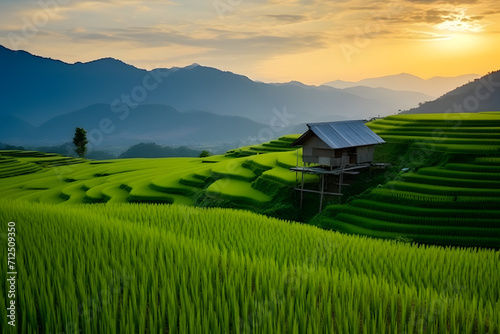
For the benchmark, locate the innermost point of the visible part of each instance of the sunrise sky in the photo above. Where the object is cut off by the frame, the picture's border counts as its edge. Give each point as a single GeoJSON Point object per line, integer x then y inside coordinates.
{"type": "Point", "coordinates": [313, 41]}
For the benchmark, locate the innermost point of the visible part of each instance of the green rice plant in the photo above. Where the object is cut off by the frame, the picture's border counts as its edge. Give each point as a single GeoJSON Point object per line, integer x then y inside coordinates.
{"type": "Point", "coordinates": [280, 145]}
{"type": "Point", "coordinates": [264, 148]}
{"type": "Point", "coordinates": [442, 190]}
{"type": "Point", "coordinates": [290, 138]}
{"type": "Point", "coordinates": [260, 163]}
{"type": "Point", "coordinates": [419, 216]}
{"type": "Point", "coordinates": [353, 229]}
{"type": "Point", "coordinates": [474, 168]}
{"type": "Point", "coordinates": [289, 160]}
{"type": "Point", "coordinates": [142, 192]}
{"type": "Point", "coordinates": [434, 131]}
{"type": "Point", "coordinates": [447, 173]}
{"type": "Point", "coordinates": [238, 190]}
{"type": "Point", "coordinates": [491, 234]}
{"type": "Point", "coordinates": [441, 135]}
{"type": "Point", "coordinates": [487, 160]}
{"type": "Point", "coordinates": [466, 141]}
{"type": "Point", "coordinates": [174, 187]}
{"type": "Point", "coordinates": [124, 180]}
{"type": "Point", "coordinates": [450, 213]}
{"type": "Point", "coordinates": [192, 181]}
{"type": "Point", "coordinates": [449, 182]}
{"type": "Point", "coordinates": [233, 170]}
{"type": "Point", "coordinates": [155, 268]}
{"type": "Point", "coordinates": [434, 200]}
{"type": "Point", "coordinates": [15, 167]}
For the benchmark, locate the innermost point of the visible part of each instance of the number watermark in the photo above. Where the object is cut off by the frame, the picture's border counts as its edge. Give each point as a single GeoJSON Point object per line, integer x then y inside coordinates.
{"type": "Point", "coordinates": [11, 274]}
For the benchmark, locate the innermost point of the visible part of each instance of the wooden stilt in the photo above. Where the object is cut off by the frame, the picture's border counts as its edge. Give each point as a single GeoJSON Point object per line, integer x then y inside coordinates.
{"type": "Point", "coordinates": [302, 190]}
{"type": "Point", "coordinates": [341, 178]}
{"type": "Point", "coordinates": [322, 191]}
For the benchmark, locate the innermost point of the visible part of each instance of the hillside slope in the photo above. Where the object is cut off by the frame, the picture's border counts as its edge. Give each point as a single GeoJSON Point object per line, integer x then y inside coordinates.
{"type": "Point", "coordinates": [451, 196]}
{"type": "Point", "coordinates": [253, 177]}
{"type": "Point", "coordinates": [480, 95]}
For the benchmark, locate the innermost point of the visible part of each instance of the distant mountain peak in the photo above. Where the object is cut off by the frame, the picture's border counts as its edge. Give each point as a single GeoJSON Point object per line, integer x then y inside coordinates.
{"type": "Point", "coordinates": [107, 62]}
{"type": "Point", "coordinates": [106, 59]}
{"type": "Point", "coordinates": [434, 87]}
{"type": "Point", "coordinates": [404, 74]}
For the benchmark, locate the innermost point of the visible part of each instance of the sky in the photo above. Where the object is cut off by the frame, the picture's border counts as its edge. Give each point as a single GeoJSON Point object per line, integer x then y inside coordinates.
{"type": "Point", "coordinates": [312, 41]}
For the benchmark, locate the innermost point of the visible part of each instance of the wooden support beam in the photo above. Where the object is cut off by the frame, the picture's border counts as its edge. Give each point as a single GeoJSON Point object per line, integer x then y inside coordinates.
{"type": "Point", "coordinates": [301, 191]}
{"type": "Point", "coordinates": [322, 191]}
{"type": "Point", "coordinates": [318, 192]}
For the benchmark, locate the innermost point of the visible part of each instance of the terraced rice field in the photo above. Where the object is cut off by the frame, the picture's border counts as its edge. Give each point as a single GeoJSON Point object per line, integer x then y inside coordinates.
{"type": "Point", "coordinates": [457, 203]}
{"type": "Point", "coordinates": [448, 133]}
{"type": "Point", "coordinates": [249, 179]}
{"type": "Point", "coordinates": [30, 162]}
{"type": "Point", "coordinates": [279, 145]}
{"type": "Point", "coordinates": [124, 265]}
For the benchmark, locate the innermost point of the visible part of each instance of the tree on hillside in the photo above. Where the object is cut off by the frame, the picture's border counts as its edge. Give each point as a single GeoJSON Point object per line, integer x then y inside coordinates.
{"type": "Point", "coordinates": [80, 141]}
{"type": "Point", "coordinates": [204, 154]}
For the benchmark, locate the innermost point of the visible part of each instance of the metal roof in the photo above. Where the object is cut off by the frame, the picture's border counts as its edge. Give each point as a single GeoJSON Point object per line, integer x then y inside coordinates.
{"type": "Point", "coordinates": [341, 134]}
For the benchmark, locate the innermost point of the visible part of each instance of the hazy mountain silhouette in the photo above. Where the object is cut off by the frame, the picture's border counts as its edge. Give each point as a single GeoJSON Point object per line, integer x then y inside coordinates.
{"type": "Point", "coordinates": [160, 103]}
{"type": "Point", "coordinates": [13, 127]}
{"type": "Point", "coordinates": [394, 99]}
{"type": "Point", "coordinates": [37, 89]}
{"type": "Point", "coordinates": [146, 123]}
{"type": "Point", "coordinates": [480, 95]}
{"type": "Point", "coordinates": [434, 87]}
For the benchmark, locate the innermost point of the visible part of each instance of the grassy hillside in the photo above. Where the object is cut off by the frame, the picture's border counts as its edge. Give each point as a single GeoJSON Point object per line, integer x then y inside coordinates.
{"type": "Point", "coordinates": [451, 195]}
{"type": "Point", "coordinates": [95, 254]}
{"type": "Point", "coordinates": [141, 268]}
{"type": "Point", "coordinates": [253, 177]}
{"type": "Point", "coordinates": [483, 92]}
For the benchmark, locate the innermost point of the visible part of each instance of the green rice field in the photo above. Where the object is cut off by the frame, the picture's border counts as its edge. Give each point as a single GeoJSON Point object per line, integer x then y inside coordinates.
{"type": "Point", "coordinates": [170, 245]}
{"type": "Point", "coordinates": [145, 268]}
{"type": "Point", "coordinates": [454, 202]}
{"type": "Point", "coordinates": [236, 176]}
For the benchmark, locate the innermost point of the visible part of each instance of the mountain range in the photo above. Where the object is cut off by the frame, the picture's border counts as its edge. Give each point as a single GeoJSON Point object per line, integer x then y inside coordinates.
{"type": "Point", "coordinates": [434, 87]}
{"type": "Point", "coordinates": [44, 99]}
{"type": "Point", "coordinates": [37, 89]}
{"type": "Point", "coordinates": [145, 123]}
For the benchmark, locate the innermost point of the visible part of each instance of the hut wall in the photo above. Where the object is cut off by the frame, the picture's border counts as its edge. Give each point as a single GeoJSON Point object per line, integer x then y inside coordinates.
{"type": "Point", "coordinates": [365, 154]}
{"type": "Point", "coordinates": [316, 151]}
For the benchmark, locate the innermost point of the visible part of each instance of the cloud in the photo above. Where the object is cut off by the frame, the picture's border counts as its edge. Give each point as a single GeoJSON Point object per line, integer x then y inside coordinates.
{"type": "Point", "coordinates": [444, 2]}
{"type": "Point", "coordinates": [253, 32]}
{"type": "Point", "coordinates": [78, 30]}
{"type": "Point", "coordinates": [288, 18]}
{"type": "Point", "coordinates": [219, 43]}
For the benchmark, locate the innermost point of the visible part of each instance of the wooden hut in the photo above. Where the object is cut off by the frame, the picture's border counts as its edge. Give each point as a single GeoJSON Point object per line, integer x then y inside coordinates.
{"type": "Point", "coordinates": [338, 149]}
{"type": "Point", "coordinates": [336, 144]}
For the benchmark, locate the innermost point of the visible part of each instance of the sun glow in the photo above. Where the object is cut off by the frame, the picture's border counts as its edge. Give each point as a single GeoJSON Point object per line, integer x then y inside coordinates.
{"type": "Point", "coordinates": [457, 43]}
{"type": "Point", "coordinates": [459, 21]}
